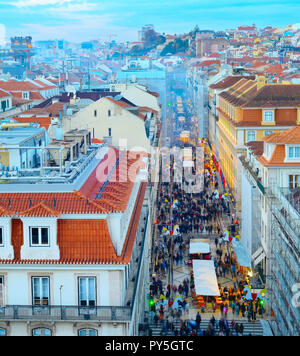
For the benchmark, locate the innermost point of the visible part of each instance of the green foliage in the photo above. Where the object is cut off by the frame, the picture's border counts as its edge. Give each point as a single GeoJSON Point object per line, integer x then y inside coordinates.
{"type": "Point", "coordinates": [176, 46]}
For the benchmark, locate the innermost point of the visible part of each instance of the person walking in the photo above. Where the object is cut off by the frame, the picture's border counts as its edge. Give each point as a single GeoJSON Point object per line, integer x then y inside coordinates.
{"type": "Point", "coordinates": [198, 320]}
{"type": "Point", "coordinates": [241, 329]}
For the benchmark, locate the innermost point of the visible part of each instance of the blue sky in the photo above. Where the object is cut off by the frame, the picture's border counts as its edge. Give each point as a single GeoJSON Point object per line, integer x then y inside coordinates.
{"type": "Point", "coordinates": [80, 20]}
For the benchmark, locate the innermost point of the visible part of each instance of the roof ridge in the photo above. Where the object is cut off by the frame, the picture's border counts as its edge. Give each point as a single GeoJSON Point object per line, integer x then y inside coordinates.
{"type": "Point", "coordinates": [40, 205]}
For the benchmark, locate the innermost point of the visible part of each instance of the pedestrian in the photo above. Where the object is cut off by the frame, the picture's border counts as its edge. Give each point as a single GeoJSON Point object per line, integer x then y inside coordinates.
{"type": "Point", "coordinates": [241, 329]}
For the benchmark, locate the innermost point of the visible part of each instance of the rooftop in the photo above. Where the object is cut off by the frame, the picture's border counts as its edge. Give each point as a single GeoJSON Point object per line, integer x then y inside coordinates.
{"type": "Point", "coordinates": [285, 137]}
{"type": "Point", "coordinates": [19, 135]}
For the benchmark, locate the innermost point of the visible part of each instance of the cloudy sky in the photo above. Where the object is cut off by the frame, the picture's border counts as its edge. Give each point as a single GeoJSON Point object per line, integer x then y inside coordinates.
{"type": "Point", "coordinates": [80, 20]}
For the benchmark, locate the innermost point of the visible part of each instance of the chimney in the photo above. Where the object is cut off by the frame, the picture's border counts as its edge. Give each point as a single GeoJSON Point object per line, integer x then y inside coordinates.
{"type": "Point", "coordinates": [261, 81]}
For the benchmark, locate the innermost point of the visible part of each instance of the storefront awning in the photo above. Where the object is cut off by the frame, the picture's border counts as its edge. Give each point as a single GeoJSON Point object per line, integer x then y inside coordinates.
{"type": "Point", "coordinates": [205, 278]}
{"type": "Point", "coordinates": [241, 253]}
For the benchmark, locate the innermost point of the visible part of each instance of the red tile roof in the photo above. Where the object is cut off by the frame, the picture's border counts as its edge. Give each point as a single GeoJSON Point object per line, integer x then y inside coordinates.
{"type": "Point", "coordinates": [43, 121]}
{"type": "Point", "coordinates": [276, 95]}
{"type": "Point", "coordinates": [84, 241]}
{"type": "Point", "coordinates": [39, 210]}
{"type": "Point", "coordinates": [229, 81]}
{"type": "Point", "coordinates": [4, 94]}
{"type": "Point", "coordinates": [14, 85]}
{"type": "Point", "coordinates": [290, 136]}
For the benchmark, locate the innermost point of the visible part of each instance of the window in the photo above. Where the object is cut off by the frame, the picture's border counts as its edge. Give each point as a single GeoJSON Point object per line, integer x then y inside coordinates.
{"type": "Point", "coordinates": [251, 136]}
{"type": "Point", "coordinates": [87, 291]}
{"type": "Point", "coordinates": [294, 181]}
{"type": "Point", "coordinates": [109, 132]}
{"type": "Point", "coordinates": [41, 332]}
{"type": "Point", "coordinates": [267, 133]}
{"type": "Point", "coordinates": [294, 152]}
{"type": "Point", "coordinates": [87, 332]}
{"type": "Point", "coordinates": [39, 236]}
{"type": "Point", "coordinates": [1, 236]}
{"type": "Point", "coordinates": [40, 291]}
{"type": "Point", "coordinates": [1, 290]}
{"type": "Point", "coordinates": [2, 332]}
{"type": "Point", "coordinates": [25, 95]}
{"type": "Point", "coordinates": [109, 113]}
{"type": "Point", "coordinates": [268, 116]}
{"type": "Point", "coordinates": [95, 113]}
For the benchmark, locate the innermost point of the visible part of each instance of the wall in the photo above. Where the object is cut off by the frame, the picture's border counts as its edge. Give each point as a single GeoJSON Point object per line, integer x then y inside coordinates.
{"type": "Point", "coordinates": [122, 123]}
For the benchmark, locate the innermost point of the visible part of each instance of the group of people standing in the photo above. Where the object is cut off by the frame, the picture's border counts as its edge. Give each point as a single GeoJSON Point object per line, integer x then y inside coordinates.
{"type": "Point", "coordinates": [186, 214]}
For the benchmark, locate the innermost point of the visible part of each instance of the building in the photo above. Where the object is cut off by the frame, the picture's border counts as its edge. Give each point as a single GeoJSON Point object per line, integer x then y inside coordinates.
{"type": "Point", "coordinates": [114, 119]}
{"type": "Point", "coordinates": [248, 111]}
{"type": "Point", "coordinates": [20, 143]}
{"type": "Point", "coordinates": [271, 222]}
{"type": "Point", "coordinates": [30, 91]}
{"type": "Point", "coordinates": [5, 101]}
{"type": "Point", "coordinates": [75, 241]}
{"type": "Point", "coordinates": [206, 46]}
{"type": "Point", "coordinates": [214, 90]}
{"type": "Point", "coordinates": [151, 74]}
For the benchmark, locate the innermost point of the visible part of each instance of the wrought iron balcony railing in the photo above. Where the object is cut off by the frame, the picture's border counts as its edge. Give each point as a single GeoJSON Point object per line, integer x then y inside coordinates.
{"type": "Point", "coordinates": [65, 313]}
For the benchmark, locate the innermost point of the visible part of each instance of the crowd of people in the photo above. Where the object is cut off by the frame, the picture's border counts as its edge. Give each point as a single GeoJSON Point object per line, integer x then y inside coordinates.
{"type": "Point", "coordinates": [188, 214]}
{"type": "Point", "coordinates": [193, 327]}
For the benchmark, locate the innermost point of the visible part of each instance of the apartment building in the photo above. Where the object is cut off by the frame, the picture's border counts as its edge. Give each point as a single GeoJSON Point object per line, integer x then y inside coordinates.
{"type": "Point", "coordinates": [271, 222]}
{"type": "Point", "coordinates": [75, 241]}
{"type": "Point", "coordinates": [214, 90]}
{"type": "Point", "coordinates": [248, 111]}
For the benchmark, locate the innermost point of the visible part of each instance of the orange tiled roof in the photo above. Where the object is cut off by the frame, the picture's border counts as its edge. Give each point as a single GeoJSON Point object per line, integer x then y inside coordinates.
{"type": "Point", "coordinates": [276, 95]}
{"type": "Point", "coordinates": [285, 137]}
{"type": "Point", "coordinates": [4, 94]}
{"type": "Point", "coordinates": [39, 210]}
{"type": "Point", "coordinates": [36, 96]}
{"type": "Point", "coordinates": [114, 198]}
{"type": "Point", "coordinates": [84, 241]}
{"type": "Point", "coordinates": [5, 213]}
{"type": "Point", "coordinates": [118, 102]}
{"type": "Point", "coordinates": [14, 85]}
{"type": "Point", "coordinates": [43, 121]}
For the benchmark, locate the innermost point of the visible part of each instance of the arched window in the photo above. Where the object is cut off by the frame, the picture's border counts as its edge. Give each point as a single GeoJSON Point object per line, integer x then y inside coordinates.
{"type": "Point", "coordinates": [87, 332]}
{"type": "Point", "coordinates": [41, 332]}
{"type": "Point", "coordinates": [2, 332]}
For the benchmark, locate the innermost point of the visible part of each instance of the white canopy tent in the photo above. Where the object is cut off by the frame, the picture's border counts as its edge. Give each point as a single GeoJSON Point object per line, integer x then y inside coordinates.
{"type": "Point", "coordinates": [199, 246]}
{"type": "Point", "coordinates": [206, 282]}
{"type": "Point", "coordinates": [188, 164]}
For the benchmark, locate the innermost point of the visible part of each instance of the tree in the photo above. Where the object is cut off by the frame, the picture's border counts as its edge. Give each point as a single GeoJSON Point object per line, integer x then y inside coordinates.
{"type": "Point", "coordinates": [153, 39]}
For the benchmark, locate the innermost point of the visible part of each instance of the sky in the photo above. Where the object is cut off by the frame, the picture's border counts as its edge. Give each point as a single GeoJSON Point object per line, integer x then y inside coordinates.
{"type": "Point", "coordinates": [84, 20]}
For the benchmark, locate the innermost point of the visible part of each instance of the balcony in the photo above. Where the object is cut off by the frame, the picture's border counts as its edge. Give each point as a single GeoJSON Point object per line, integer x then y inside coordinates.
{"type": "Point", "coordinates": [253, 173]}
{"type": "Point", "coordinates": [65, 313]}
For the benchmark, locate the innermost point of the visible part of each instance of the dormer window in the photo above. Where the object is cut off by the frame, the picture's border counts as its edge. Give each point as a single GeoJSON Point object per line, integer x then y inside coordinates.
{"type": "Point", "coordinates": [25, 95]}
{"type": "Point", "coordinates": [294, 152]}
{"type": "Point", "coordinates": [39, 236]}
{"type": "Point", "coordinates": [268, 116]}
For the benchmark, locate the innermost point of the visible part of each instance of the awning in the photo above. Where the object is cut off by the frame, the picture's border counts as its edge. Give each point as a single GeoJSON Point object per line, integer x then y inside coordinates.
{"type": "Point", "coordinates": [257, 253]}
{"type": "Point", "coordinates": [258, 256]}
{"type": "Point", "coordinates": [206, 282]}
{"type": "Point", "coordinates": [188, 164]}
{"type": "Point", "coordinates": [241, 253]}
{"type": "Point", "coordinates": [199, 246]}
